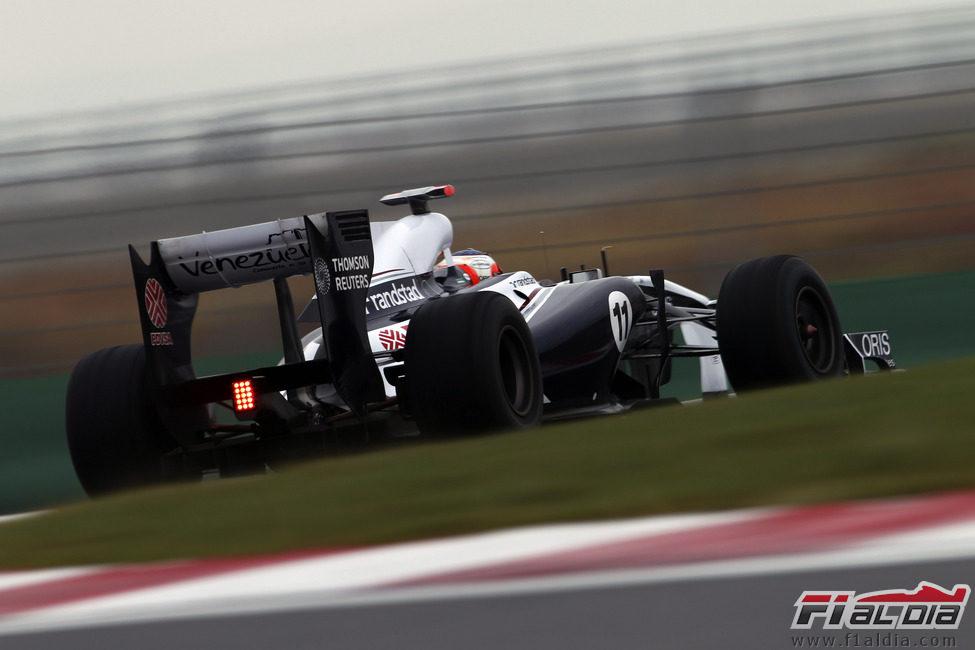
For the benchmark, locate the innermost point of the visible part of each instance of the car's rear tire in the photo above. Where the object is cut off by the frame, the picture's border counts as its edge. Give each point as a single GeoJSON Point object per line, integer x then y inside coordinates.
{"type": "Point", "coordinates": [777, 324]}
{"type": "Point", "coordinates": [115, 438]}
{"type": "Point", "coordinates": [471, 366]}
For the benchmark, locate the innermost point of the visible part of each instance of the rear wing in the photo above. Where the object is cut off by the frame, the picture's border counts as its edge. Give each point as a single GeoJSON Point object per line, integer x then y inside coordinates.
{"type": "Point", "coordinates": [336, 247]}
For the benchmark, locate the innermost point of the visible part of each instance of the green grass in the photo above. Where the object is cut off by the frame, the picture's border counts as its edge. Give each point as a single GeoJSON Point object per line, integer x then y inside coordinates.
{"type": "Point", "coordinates": [853, 438]}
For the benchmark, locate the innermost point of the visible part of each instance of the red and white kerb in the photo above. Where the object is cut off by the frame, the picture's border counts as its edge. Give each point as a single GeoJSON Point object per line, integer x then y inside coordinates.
{"type": "Point", "coordinates": [243, 395]}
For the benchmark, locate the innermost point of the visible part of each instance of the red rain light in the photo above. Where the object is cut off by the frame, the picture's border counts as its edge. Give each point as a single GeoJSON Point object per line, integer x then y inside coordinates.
{"type": "Point", "coordinates": [448, 190]}
{"type": "Point", "coordinates": [243, 395]}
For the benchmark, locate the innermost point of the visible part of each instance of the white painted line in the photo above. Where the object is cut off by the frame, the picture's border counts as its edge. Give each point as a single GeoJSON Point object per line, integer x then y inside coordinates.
{"type": "Point", "coordinates": [15, 579]}
{"type": "Point", "coordinates": [21, 515]}
{"type": "Point", "coordinates": [954, 534]}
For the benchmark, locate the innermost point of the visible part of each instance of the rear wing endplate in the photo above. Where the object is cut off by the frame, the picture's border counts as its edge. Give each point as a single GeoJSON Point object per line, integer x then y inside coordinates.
{"type": "Point", "coordinates": [335, 246]}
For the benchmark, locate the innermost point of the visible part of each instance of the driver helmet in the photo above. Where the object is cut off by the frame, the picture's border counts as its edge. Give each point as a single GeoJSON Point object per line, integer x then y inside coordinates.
{"type": "Point", "coordinates": [476, 264]}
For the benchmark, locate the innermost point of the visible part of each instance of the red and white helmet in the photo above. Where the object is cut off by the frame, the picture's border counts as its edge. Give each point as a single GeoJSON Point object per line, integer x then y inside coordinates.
{"type": "Point", "coordinates": [476, 264]}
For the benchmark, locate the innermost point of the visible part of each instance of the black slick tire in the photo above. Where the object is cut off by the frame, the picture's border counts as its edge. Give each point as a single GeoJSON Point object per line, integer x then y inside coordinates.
{"type": "Point", "coordinates": [114, 435]}
{"type": "Point", "coordinates": [471, 366]}
{"type": "Point", "coordinates": [777, 324]}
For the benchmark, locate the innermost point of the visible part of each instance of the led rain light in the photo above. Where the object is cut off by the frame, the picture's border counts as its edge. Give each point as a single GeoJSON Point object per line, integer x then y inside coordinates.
{"type": "Point", "coordinates": [243, 395]}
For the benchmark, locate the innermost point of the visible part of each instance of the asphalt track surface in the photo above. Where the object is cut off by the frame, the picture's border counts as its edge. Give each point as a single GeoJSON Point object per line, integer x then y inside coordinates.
{"type": "Point", "coordinates": [625, 611]}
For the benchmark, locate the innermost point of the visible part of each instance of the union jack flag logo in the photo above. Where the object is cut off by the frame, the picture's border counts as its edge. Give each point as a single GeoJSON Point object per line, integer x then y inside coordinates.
{"type": "Point", "coordinates": [392, 338]}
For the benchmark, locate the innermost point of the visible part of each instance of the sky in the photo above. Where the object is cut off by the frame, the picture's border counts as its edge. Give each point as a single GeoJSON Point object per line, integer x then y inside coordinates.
{"type": "Point", "coordinates": [61, 56]}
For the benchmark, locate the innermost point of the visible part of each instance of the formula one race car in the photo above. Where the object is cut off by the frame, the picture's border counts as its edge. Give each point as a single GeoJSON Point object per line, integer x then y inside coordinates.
{"type": "Point", "coordinates": [391, 322]}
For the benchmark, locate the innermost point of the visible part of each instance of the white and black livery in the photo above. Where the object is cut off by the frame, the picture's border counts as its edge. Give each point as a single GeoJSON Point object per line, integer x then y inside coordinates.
{"type": "Point", "coordinates": [396, 317]}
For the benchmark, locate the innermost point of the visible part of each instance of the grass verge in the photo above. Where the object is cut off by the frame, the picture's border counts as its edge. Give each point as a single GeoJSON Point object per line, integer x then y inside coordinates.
{"type": "Point", "coordinates": [865, 437]}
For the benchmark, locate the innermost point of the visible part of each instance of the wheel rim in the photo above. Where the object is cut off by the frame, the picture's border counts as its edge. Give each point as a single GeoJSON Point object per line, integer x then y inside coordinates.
{"type": "Point", "coordinates": [516, 378]}
{"type": "Point", "coordinates": [815, 329]}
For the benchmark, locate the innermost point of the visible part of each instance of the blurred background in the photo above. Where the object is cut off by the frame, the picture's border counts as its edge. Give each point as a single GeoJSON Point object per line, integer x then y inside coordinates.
{"type": "Point", "coordinates": [687, 138]}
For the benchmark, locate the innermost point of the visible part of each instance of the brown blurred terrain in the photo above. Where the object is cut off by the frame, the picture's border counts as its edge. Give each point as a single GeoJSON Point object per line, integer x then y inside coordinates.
{"type": "Point", "coordinates": [854, 147]}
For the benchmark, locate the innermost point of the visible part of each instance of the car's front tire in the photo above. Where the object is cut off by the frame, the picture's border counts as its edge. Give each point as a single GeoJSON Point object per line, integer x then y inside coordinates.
{"type": "Point", "coordinates": [777, 324]}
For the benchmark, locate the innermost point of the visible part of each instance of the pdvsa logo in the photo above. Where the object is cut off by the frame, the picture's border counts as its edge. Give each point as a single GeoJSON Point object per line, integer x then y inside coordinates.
{"type": "Point", "coordinates": [929, 607]}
